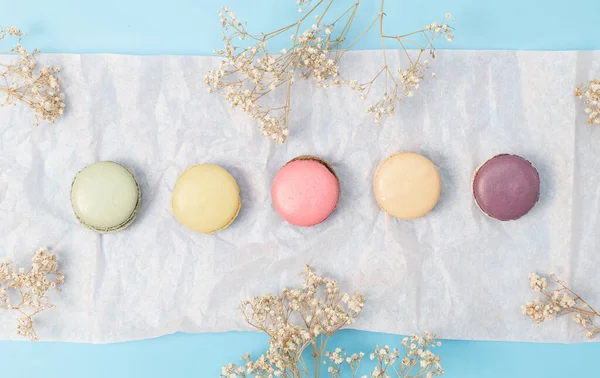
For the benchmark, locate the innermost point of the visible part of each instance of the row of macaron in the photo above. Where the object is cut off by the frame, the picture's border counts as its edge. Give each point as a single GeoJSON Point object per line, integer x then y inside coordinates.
{"type": "Point", "coordinates": [105, 196]}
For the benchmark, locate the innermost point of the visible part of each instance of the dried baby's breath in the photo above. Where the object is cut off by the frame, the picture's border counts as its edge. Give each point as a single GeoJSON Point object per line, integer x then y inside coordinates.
{"type": "Point", "coordinates": [559, 300]}
{"type": "Point", "coordinates": [300, 322]}
{"type": "Point", "coordinates": [26, 291]}
{"type": "Point", "coordinates": [25, 82]}
{"type": "Point", "coordinates": [590, 92]}
{"type": "Point", "coordinates": [248, 76]}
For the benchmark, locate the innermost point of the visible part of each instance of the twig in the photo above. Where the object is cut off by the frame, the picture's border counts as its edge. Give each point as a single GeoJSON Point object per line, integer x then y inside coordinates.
{"type": "Point", "coordinates": [32, 286]}
{"type": "Point", "coordinates": [558, 302]}
{"type": "Point", "coordinates": [25, 82]}
{"type": "Point", "coordinates": [247, 74]}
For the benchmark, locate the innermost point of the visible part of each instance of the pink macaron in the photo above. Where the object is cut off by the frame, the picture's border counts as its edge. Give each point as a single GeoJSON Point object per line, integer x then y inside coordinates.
{"type": "Point", "coordinates": [305, 191]}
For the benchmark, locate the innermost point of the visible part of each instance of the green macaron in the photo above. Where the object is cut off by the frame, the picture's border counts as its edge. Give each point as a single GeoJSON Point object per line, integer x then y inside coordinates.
{"type": "Point", "coordinates": [105, 197]}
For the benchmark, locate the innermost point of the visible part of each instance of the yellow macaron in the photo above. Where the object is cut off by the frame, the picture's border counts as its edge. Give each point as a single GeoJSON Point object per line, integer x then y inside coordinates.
{"type": "Point", "coordinates": [206, 198]}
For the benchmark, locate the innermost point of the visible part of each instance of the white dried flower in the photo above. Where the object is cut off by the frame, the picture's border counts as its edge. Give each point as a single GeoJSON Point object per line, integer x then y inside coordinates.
{"type": "Point", "coordinates": [250, 78]}
{"type": "Point", "coordinates": [306, 318]}
{"type": "Point", "coordinates": [537, 283]}
{"type": "Point", "coordinates": [590, 93]}
{"type": "Point", "coordinates": [32, 288]}
{"type": "Point", "coordinates": [405, 80]}
{"type": "Point", "coordinates": [558, 302]}
{"type": "Point", "coordinates": [24, 83]}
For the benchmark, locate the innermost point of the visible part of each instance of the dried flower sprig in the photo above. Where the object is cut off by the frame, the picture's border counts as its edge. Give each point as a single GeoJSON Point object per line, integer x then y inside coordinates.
{"type": "Point", "coordinates": [30, 289]}
{"type": "Point", "coordinates": [590, 92]}
{"type": "Point", "coordinates": [24, 82]}
{"type": "Point", "coordinates": [248, 77]}
{"type": "Point", "coordinates": [559, 300]}
{"type": "Point", "coordinates": [300, 322]}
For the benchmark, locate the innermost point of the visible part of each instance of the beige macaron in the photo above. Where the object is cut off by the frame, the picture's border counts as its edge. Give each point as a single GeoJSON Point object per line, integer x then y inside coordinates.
{"type": "Point", "coordinates": [407, 185]}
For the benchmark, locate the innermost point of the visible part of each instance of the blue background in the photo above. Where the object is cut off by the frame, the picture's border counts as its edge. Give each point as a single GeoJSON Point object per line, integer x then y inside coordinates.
{"type": "Point", "coordinates": [191, 27]}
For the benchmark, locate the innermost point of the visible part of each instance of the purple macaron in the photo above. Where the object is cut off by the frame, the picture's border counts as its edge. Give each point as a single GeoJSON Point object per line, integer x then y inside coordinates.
{"type": "Point", "coordinates": [506, 187]}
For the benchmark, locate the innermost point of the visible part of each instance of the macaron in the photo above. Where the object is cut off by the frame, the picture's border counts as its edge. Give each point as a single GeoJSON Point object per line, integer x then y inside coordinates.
{"type": "Point", "coordinates": [206, 198]}
{"type": "Point", "coordinates": [407, 185]}
{"type": "Point", "coordinates": [506, 187]}
{"type": "Point", "coordinates": [105, 197]}
{"type": "Point", "coordinates": [305, 191]}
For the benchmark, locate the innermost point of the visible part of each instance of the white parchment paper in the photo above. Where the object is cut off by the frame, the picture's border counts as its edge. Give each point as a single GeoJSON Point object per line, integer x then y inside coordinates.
{"type": "Point", "coordinates": [455, 272]}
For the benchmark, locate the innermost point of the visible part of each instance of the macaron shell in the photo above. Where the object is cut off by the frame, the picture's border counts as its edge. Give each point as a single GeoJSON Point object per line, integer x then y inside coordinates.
{"type": "Point", "coordinates": [407, 185]}
{"type": "Point", "coordinates": [118, 228]}
{"type": "Point", "coordinates": [206, 198]}
{"type": "Point", "coordinates": [105, 197]}
{"type": "Point", "coordinates": [305, 192]}
{"type": "Point", "coordinates": [232, 218]}
{"type": "Point", "coordinates": [506, 187]}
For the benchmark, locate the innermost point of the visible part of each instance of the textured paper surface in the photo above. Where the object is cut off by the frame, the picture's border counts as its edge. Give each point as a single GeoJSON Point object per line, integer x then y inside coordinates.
{"type": "Point", "coordinates": [455, 272]}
